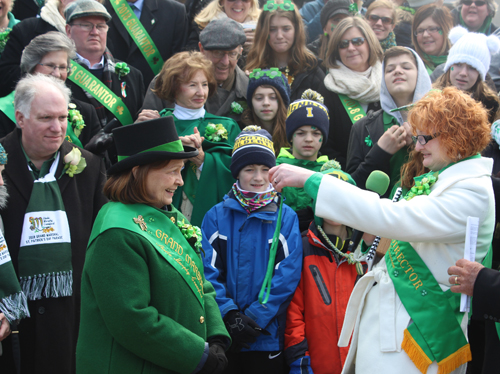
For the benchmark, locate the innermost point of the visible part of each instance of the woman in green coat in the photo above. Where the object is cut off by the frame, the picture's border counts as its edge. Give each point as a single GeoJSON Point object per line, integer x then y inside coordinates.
{"type": "Point", "coordinates": [146, 306]}
{"type": "Point", "coordinates": [187, 79]}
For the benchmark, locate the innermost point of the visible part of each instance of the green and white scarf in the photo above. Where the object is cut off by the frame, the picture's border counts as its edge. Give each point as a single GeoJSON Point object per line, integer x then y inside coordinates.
{"type": "Point", "coordinates": [45, 268]}
{"type": "Point", "coordinates": [13, 303]}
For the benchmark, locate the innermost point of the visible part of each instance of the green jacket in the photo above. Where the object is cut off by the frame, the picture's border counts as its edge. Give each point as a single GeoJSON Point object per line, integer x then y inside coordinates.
{"type": "Point", "coordinates": [216, 179]}
{"type": "Point", "coordinates": [138, 313]}
{"type": "Point", "coordinates": [297, 198]}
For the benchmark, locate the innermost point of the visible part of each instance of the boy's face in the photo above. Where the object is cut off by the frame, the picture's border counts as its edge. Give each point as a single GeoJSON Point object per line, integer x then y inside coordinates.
{"type": "Point", "coordinates": [254, 178]}
{"type": "Point", "coordinates": [306, 142]}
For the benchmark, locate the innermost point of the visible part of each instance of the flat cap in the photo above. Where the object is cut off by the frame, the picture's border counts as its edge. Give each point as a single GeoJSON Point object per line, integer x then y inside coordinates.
{"type": "Point", "coordinates": [85, 8]}
{"type": "Point", "coordinates": [332, 8]}
{"type": "Point", "coordinates": [222, 34]}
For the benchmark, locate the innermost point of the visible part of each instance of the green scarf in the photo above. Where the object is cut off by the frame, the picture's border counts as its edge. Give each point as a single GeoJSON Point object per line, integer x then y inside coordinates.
{"type": "Point", "coordinates": [45, 268]}
{"type": "Point", "coordinates": [13, 303]}
{"type": "Point", "coordinates": [433, 61]}
{"type": "Point", "coordinates": [388, 42]}
{"type": "Point", "coordinates": [484, 29]}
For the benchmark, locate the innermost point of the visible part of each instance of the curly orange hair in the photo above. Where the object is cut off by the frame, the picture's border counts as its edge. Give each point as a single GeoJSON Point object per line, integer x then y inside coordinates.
{"type": "Point", "coordinates": [460, 122]}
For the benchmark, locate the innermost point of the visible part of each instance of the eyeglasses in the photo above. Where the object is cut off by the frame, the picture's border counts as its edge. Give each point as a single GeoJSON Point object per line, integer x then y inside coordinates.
{"type": "Point", "coordinates": [477, 2]}
{"type": "Point", "coordinates": [385, 20]}
{"type": "Point", "coordinates": [422, 139]}
{"type": "Point", "coordinates": [52, 67]}
{"type": "Point", "coordinates": [220, 55]}
{"type": "Point", "coordinates": [430, 30]}
{"type": "Point", "coordinates": [89, 26]}
{"type": "Point", "coordinates": [343, 44]}
{"type": "Point", "coordinates": [232, 1]}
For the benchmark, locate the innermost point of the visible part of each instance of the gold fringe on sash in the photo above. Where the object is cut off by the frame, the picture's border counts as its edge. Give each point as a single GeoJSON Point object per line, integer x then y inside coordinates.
{"type": "Point", "coordinates": [453, 361]}
{"type": "Point", "coordinates": [416, 354]}
{"type": "Point", "coordinates": [422, 362]}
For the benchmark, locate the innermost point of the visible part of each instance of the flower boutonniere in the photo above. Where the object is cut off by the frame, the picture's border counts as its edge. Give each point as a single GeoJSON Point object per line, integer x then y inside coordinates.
{"type": "Point", "coordinates": [74, 163]}
{"type": "Point", "coordinates": [215, 133]}
{"type": "Point", "coordinates": [238, 107]}
{"type": "Point", "coordinates": [192, 235]}
{"type": "Point", "coordinates": [121, 69]}
{"type": "Point", "coordinates": [75, 119]}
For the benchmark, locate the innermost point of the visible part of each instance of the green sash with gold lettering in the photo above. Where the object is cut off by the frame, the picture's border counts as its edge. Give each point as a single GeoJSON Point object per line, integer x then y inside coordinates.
{"type": "Point", "coordinates": [159, 228]}
{"type": "Point", "coordinates": [90, 83]}
{"type": "Point", "coordinates": [435, 334]}
{"type": "Point", "coordinates": [353, 108]}
{"type": "Point", "coordinates": [138, 34]}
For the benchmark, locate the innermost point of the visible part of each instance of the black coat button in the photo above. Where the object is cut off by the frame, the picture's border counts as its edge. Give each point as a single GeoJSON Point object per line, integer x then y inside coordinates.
{"type": "Point", "coordinates": [41, 310]}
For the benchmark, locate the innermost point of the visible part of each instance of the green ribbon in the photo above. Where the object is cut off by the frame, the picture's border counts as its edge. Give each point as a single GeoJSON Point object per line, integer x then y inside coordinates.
{"type": "Point", "coordinates": [160, 229]}
{"type": "Point", "coordinates": [174, 147]}
{"type": "Point", "coordinates": [353, 108]}
{"type": "Point", "coordinates": [88, 82]}
{"type": "Point", "coordinates": [138, 34]}
{"type": "Point", "coordinates": [416, 286]}
{"type": "Point", "coordinates": [7, 106]}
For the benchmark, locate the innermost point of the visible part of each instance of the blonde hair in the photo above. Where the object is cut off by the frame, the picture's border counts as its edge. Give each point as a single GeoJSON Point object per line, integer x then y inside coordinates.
{"type": "Point", "coordinates": [386, 5]}
{"type": "Point", "coordinates": [333, 55]}
{"type": "Point", "coordinates": [261, 55]}
{"type": "Point", "coordinates": [215, 7]}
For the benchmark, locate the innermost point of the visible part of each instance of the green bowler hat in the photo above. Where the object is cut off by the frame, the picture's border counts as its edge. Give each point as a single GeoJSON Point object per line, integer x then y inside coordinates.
{"type": "Point", "coordinates": [147, 142]}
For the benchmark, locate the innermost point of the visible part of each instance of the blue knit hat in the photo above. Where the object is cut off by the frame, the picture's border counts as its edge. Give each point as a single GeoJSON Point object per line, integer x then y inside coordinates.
{"type": "Point", "coordinates": [308, 111]}
{"type": "Point", "coordinates": [271, 77]}
{"type": "Point", "coordinates": [253, 146]}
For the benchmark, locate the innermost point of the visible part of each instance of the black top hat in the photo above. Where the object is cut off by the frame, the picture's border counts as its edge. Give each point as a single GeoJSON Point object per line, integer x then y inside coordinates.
{"type": "Point", "coordinates": [147, 142]}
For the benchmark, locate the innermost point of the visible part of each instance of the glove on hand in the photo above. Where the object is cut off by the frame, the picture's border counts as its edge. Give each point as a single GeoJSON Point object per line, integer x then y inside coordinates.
{"type": "Point", "coordinates": [301, 365]}
{"type": "Point", "coordinates": [101, 141]}
{"type": "Point", "coordinates": [243, 330]}
{"type": "Point", "coordinates": [216, 360]}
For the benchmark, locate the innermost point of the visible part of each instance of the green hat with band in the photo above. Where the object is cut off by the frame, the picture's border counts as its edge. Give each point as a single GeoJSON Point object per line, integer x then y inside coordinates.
{"type": "Point", "coordinates": [147, 142]}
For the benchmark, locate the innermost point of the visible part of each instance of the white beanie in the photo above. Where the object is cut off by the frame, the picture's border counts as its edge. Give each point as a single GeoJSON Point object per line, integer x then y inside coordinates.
{"type": "Point", "coordinates": [471, 48]}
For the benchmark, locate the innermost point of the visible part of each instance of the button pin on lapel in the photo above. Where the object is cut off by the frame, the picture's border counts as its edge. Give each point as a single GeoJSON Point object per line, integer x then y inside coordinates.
{"type": "Point", "coordinates": [153, 21]}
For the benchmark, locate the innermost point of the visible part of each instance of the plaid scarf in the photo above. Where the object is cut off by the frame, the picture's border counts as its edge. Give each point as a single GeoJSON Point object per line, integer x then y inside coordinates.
{"type": "Point", "coordinates": [109, 69]}
{"type": "Point", "coordinates": [251, 201]}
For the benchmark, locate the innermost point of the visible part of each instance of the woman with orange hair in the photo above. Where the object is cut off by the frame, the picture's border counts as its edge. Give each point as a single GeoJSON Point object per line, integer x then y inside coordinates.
{"type": "Point", "coordinates": [401, 313]}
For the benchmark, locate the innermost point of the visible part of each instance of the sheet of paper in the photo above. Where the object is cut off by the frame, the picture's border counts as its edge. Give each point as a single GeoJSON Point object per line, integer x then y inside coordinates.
{"type": "Point", "coordinates": [469, 254]}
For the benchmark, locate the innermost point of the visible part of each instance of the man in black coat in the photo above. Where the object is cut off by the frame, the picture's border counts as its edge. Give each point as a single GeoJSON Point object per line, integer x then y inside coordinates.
{"type": "Point", "coordinates": [165, 22]}
{"type": "Point", "coordinates": [48, 338]}
{"type": "Point", "coordinates": [86, 26]}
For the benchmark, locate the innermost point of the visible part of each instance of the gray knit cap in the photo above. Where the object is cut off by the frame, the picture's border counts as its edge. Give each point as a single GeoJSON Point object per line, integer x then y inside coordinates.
{"type": "Point", "coordinates": [85, 8]}
{"type": "Point", "coordinates": [223, 35]}
{"type": "Point", "coordinates": [332, 8]}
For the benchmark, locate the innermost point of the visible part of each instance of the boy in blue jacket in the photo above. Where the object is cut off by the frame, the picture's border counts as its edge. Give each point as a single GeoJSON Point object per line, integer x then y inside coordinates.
{"type": "Point", "coordinates": [238, 241]}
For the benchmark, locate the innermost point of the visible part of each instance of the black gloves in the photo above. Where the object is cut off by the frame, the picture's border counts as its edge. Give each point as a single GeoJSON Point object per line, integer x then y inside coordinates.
{"type": "Point", "coordinates": [216, 360]}
{"type": "Point", "coordinates": [101, 141]}
{"type": "Point", "coordinates": [243, 330]}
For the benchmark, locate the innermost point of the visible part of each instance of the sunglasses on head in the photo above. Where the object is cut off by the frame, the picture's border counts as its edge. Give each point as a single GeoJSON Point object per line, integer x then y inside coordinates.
{"type": "Point", "coordinates": [477, 2]}
{"type": "Point", "coordinates": [385, 20]}
{"type": "Point", "coordinates": [355, 41]}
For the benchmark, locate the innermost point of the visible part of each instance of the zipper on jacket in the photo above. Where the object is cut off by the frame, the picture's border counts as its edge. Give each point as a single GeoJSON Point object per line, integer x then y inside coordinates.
{"type": "Point", "coordinates": [323, 290]}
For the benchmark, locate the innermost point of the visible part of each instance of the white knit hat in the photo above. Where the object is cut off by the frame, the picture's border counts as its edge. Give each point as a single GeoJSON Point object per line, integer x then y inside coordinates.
{"type": "Point", "coordinates": [471, 48]}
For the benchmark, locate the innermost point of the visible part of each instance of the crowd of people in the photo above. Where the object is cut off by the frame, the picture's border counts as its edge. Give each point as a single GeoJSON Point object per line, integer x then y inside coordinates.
{"type": "Point", "coordinates": [243, 186]}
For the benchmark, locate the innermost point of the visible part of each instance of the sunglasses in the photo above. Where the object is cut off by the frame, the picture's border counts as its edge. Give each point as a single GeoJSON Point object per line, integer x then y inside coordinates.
{"type": "Point", "coordinates": [477, 2]}
{"type": "Point", "coordinates": [355, 41]}
{"type": "Point", "coordinates": [422, 139]}
{"type": "Point", "coordinates": [385, 20]}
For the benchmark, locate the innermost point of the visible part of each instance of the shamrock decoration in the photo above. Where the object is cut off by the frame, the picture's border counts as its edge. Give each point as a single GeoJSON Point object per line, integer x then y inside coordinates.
{"type": "Point", "coordinates": [368, 141]}
{"type": "Point", "coordinates": [215, 133]}
{"type": "Point", "coordinates": [422, 187]}
{"type": "Point", "coordinates": [272, 6]}
{"type": "Point", "coordinates": [353, 8]}
{"type": "Point", "coordinates": [192, 234]}
{"type": "Point", "coordinates": [121, 69]}
{"type": "Point", "coordinates": [236, 107]}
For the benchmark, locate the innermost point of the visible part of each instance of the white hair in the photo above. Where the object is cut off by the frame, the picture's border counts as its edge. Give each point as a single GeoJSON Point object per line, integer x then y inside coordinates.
{"type": "Point", "coordinates": [30, 85]}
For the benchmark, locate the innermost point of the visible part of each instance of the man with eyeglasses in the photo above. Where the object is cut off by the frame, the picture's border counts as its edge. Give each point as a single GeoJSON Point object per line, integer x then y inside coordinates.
{"type": "Point", "coordinates": [221, 42]}
{"type": "Point", "coordinates": [476, 15]}
{"type": "Point", "coordinates": [115, 89]}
